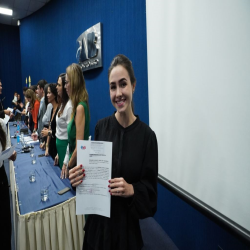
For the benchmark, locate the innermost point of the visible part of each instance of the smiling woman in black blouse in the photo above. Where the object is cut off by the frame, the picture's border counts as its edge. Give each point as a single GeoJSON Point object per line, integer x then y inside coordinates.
{"type": "Point", "coordinates": [133, 186]}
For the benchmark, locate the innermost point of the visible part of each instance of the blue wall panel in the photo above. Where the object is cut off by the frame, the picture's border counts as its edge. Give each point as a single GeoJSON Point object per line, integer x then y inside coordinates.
{"type": "Point", "coordinates": [48, 46]}
{"type": "Point", "coordinates": [190, 229]}
{"type": "Point", "coordinates": [10, 63]}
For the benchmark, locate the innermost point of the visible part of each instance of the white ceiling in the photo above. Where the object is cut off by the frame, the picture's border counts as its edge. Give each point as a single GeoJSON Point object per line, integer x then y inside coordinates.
{"type": "Point", "coordinates": [21, 9]}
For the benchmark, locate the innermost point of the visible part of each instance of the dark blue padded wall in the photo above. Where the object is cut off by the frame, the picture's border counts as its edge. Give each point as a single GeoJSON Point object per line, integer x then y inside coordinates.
{"type": "Point", "coordinates": [10, 63]}
{"type": "Point", "coordinates": [190, 229]}
{"type": "Point", "coordinates": [48, 46]}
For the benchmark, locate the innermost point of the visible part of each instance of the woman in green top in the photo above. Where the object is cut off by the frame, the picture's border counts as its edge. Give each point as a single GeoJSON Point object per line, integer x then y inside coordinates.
{"type": "Point", "coordinates": [78, 127]}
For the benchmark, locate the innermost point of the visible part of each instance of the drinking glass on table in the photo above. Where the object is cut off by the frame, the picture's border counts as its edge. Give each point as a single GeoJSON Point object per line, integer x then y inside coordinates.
{"type": "Point", "coordinates": [32, 153]}
{"type": "Point", "coordinates": [33, 159]}
{"type": "Point", "coordinates": [32, 176]}
{"type": "Point", "coordinates": [44, 193]}
{"type": "Point", "coordinates": [22, 139]}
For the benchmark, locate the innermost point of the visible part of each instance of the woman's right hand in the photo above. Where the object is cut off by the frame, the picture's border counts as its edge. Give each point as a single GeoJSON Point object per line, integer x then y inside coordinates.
{"type": "Point", "coordinates": [76, 175]}
{"type": "Point", "coordinates": [7, 112]}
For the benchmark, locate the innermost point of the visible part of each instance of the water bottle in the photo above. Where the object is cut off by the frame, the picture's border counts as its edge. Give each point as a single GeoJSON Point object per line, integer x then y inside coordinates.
{"type": "Point", "coordinates": [18, 128]}
{"type": "Point", "coordinates": [18, 138]}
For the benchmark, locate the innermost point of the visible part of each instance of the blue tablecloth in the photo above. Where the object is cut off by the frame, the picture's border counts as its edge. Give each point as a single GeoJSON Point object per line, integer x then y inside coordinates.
{"type": "Point", "coordinates": [46, 175]}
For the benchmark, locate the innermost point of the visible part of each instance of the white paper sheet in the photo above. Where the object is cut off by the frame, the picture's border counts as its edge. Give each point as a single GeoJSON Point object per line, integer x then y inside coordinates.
{"type": "Point", "coordinates": [92, 195]}
{"type": "Point", "coordinates": [7, 153]}
{"type": "Point", "coordinates": [29, 140]}
{"type": "Point", "coordinates": [10, 109]}
{"type": "Point", "coordinates": [6, 119]}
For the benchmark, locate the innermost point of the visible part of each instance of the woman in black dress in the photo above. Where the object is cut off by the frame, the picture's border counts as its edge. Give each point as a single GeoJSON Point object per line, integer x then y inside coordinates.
{"type": "Point", "coordinates": [133, 186]}
{"type": "Point", "coordinates": [51, 131]}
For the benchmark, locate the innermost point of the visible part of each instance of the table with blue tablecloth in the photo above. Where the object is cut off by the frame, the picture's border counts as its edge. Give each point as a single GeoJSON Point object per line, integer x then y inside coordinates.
{"type": "Point", "coordinates": [52, 224]}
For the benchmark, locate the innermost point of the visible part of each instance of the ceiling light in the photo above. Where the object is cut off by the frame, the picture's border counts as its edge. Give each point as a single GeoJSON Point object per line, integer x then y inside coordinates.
{"type": "Point", "coordinates": [6, 11]}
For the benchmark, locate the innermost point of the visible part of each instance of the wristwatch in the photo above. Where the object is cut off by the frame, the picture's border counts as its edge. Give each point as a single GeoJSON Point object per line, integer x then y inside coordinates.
{"type": "Point", "coordinates": [49, 133]}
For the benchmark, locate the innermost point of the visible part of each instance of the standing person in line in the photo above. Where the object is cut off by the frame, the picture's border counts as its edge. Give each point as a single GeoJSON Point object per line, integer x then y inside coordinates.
{"type": "Point", "coordinates": [26, 104]}
{"type": "Point", "coordinates": [51, 131]}
{"type": "Point", "coordinates": [133, 187]}
{"type": "Point", "coordinates": [78, 127]}
{"type": "Point", "coordinates": [46, 116]}
{"type": "Point", "coordinates": [19, 103]}
{"type": "Point", "coordinates": [33, 109]}
{"type": "Point", "coordinates": [62, 121]}
{"type": "Point", "coordinates": [5, 215]}
{"type": "Point", "coordinates": [42, 109]}
{"type": "Point", "coordinates": [24, 90]}
{"type": "Point", "coordinates": [19, 107]}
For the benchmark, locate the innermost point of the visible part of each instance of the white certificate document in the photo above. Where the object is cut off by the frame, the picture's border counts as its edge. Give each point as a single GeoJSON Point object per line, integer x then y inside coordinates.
{"type": "Point", "coordinates": [10, 109]}
{"type": "Point", "coordinates": [92, 195]}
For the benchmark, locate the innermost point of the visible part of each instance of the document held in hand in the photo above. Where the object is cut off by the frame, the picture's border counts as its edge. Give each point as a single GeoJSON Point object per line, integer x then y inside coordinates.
{"type": "Point", "coordinates": [92, 195]}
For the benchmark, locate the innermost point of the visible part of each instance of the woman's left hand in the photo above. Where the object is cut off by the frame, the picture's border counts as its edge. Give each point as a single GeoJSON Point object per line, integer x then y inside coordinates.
{"type": "Point", "coordinates": [119, 187]}
{"type": "Point", "coordinates": [13, 156]}
{"type": "Point", "coordinates": [64, 172]}
{"type": "Point", "coordinates": [42, 145]}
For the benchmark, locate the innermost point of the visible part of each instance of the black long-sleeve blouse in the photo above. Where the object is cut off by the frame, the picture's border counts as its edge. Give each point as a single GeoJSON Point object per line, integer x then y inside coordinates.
{"type": "Point", "coordinates": [135, 158]}
{"type": "Point", "coordinates": [52, 143]}
{"type": "Point", "coordinates": [2, 114]}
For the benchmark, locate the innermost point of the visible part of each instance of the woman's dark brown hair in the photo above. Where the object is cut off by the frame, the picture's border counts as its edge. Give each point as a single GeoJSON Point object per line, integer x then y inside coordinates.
{"type": "Point", "coordinates": [64, 99]}
{"type": "Point", "coordinates": [31, 94]}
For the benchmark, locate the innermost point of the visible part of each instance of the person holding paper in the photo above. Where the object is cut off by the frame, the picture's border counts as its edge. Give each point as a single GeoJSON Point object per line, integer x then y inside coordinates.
{"type": "Point", "coordinates": [133, 187]}
{"type": "Point", "coordinates": [5, 216]}
{"type": "Point", "coordinates": [14, 101]}
{"type": "Point", "coordinates": [3, 111]}
{"type": "Point", "coordinates": [78, 127]}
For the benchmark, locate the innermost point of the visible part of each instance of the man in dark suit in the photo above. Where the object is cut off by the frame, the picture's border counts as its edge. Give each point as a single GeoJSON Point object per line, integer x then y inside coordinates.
{"type": "Point", "coordinates": [42, 109]}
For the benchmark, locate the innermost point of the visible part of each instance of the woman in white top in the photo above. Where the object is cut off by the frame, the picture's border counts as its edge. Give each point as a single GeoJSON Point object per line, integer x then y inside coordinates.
{"type": "Point", "coordinates": [5, 217]}
{"type": "Point", "coordinates": [62, 120]}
